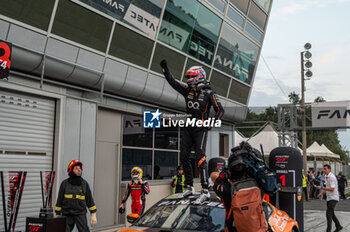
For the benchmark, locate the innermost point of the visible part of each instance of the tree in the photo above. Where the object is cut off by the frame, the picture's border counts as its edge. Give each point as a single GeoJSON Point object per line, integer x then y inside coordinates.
{"type": "Point", "coordinates": [294, 98]}
{"type": "Point", "coordinates": [319, 99]}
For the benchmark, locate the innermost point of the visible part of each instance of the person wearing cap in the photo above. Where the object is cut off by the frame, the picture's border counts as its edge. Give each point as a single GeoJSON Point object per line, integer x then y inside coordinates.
{"type": "Point", "coordinates": [138, 190]}
{"type": "Point", "coordinates": [178, 182]}
{"type": "Point", "coordinates": [74, 197]}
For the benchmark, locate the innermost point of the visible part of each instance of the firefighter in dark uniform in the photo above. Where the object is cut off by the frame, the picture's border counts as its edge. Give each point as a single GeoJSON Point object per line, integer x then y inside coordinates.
{"type": "Point", "coordinates": [199, 98]}
{"type": "Point", "coordinates": [178, 182]}
{"type": "Point", "coordinates": [342, 181]}
{"type": "Point", "coordinates": [74, 197]}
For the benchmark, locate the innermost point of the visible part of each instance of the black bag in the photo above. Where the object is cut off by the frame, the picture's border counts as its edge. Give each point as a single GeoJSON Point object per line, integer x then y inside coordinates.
{"type": "Point", "coordinates": [263, 175]}
{"type": "Point", "coordinates": [256, 167]}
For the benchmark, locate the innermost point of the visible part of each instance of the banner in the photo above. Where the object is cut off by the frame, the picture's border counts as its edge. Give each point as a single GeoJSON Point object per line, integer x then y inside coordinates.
{"type": "Point", "coordinates": [49, 177]}
{"type": "Point", "coordinates": [331, 114]}
{"type": "Point", "coordinates": [5, 59]}
{"type": "Point", "coordinates": [16, 182]}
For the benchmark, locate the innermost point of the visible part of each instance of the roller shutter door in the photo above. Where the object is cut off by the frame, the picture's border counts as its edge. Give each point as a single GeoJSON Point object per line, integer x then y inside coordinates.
{"type": "Point", "coordinates": [26, 144]}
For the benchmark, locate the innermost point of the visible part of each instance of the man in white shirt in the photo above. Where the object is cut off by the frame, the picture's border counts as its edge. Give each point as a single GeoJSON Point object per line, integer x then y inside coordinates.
{"type": "Point", "coordinates": [331, 190]}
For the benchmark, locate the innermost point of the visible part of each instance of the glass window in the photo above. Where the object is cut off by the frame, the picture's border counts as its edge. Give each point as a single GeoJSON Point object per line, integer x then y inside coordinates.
{"type": "Point", "coordinates": [178, 21]}
{"type": "Point", "coordinates": [161, 216]}
{"type": "Point", "coordinates": [219, 4]}
{"type": "Point", "coordinates": [190, 27]}
{"type": "Point", "coordinates": [136, 157]}
{"type": "Point", "coordinates": [143, 15]}
{"type": "Point", "coordinates": [253, 31]}
{"type": "Point", "coordinates": [131, 46]}
{"type": "Point", "coordinates": [134, 134]}
{"type": "Point", "coordinates": [265, 4]}
{"type": "Point", "coordinates": [241, 5]}
{"type": "Point", "coordinates": [239, 92]}
{"type": "Point", "coordinates": [220, 83]}
{"type": "Point", "coordinates": [202, 218]}
{"type": "Point", "coordinates": [236, 55]}
{"type": "Point", "coordinates": [235, 17]}
{"type": "Point", "coordinates": [205, 35]}
{"type": "Point", "coordinates": [191, 63]}
{"type": "Point", "coordinates": [166, 138]}
{"type": "Point", "coordinates": [36, 13]}
{"type": "Point", "coordinates": [81, 25]}
{"type": "Point", "coordinates": [175, 60]}
{"type": "Point", "coordinates": [165, 163]}
{"type": "Point", "coordinates": [257, 16]}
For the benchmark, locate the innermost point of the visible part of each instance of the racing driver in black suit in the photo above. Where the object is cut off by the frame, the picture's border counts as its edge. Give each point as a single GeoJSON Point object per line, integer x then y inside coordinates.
{"type": "Point", "coordinates": [199, 98]}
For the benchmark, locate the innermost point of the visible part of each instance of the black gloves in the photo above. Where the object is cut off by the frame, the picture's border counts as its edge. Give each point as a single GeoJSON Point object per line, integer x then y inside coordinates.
{"type": "Point", "coordinates": [164, 64]}
{"type": "Point", "coordinates": [121, 210]}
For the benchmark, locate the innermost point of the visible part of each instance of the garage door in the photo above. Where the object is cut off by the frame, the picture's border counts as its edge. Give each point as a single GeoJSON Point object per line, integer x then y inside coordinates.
{"type": "Point", "coordinates": [26, 144]}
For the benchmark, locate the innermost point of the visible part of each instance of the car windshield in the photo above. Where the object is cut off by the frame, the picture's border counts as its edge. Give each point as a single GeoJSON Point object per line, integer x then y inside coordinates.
{"type": "Point", "coordinates": [184, 217]}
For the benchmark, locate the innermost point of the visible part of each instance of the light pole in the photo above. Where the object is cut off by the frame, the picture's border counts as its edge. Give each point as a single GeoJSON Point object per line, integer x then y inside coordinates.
{"type": "Point", "coordinates": [305, 63]}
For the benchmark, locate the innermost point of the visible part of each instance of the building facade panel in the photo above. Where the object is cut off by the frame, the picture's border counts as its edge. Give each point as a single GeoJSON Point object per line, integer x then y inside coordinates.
{"type": "Point", "coordinates": [36, 13]}
{"type": "Point", "coordinates": [81, 25]}
{"type": "Point", "coordinates": [102, 55]}
{"type": "Point", "coordinates": [4, 27]}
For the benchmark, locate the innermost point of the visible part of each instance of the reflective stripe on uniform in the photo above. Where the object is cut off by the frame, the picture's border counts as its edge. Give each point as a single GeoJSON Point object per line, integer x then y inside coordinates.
{"type": "Point", "coordinates": [70, 196]}
{"type": "Point", "coordinates": [92, 208]}
{"type": "Point", "coordinates": [80, 197]}
{"type": "Point", "coordinates": [58, 208]}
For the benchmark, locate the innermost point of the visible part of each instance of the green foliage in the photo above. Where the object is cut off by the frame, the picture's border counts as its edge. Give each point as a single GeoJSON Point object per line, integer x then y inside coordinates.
{"type": "Point", "coordinates": [270, 114]}
{"type": "Point", "coordinates": [294, 98]}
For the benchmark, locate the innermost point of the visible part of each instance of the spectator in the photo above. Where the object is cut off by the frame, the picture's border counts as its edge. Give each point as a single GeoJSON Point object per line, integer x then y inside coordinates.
{"type": "Point", "coordinates": [312, 185]}
{"type": "Point", "coordinates": [157, 175]}
{"type": "Point", "coordinates": [320, 180]}
{"type": "Point", "coordinates": [332, 198]}
{"type": "Point", "coordinates": [342, 181]}
{"type": "Point", "coordinates": [178, 182]}
{"type": "Point", "coordinates": [308, 178]}
{"type": "Point", "coordinates": [306, 197]}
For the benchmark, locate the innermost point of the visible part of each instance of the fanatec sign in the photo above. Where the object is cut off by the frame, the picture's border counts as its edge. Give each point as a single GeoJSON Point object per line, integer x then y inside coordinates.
{"type": "Point", "coordinates": [144, 19]}
{"type": "Point", "coordinates": [331, 114]}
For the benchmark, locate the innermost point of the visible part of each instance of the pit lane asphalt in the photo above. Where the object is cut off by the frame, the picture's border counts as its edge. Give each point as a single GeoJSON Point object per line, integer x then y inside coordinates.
{"type": "Point", "coordinates": [315, 215]}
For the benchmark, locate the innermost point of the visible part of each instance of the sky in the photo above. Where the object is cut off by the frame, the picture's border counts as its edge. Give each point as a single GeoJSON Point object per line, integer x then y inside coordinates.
{"type": "Point", "coordinates": [324, 24]}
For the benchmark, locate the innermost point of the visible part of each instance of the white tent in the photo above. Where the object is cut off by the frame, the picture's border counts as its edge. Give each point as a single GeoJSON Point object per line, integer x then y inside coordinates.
{"type": "Point", "coordinates": [239, 138]}
{"type": "Point", "coordinates": [320, 151]}
{"type": "Point", "coordinates": [329, 153]}
{"type": "Point", "coordinates": [267, 137]}
{"type": "Point", "coordinates": [316, 150]}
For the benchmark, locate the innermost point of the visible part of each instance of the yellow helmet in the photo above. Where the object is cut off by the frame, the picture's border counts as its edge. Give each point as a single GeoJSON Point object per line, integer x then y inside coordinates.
{"type": "Point", "coordinates": [136, 173]}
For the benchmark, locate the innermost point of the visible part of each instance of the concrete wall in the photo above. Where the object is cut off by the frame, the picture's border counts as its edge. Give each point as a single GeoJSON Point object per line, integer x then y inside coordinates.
{"type": "Point", "coordinates": [79, 126]}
